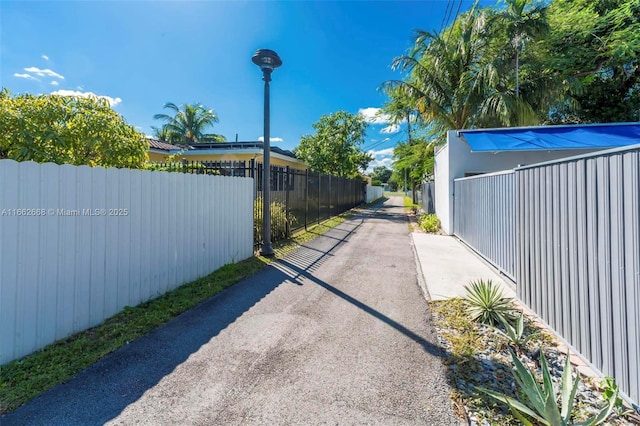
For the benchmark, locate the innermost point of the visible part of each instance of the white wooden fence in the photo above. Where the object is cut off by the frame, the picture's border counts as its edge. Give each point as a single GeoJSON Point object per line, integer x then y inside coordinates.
{"type": "Point", "coordinates": [78, 244]}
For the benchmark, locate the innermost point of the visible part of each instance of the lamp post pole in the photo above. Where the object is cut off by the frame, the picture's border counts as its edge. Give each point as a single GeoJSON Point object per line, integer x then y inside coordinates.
{"type": "Point", "coordinates": [267, 60]}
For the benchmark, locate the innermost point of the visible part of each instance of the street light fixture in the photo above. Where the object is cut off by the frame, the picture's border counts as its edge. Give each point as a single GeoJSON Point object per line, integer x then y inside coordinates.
{"type": "Point", "coordinates": [267, 60]}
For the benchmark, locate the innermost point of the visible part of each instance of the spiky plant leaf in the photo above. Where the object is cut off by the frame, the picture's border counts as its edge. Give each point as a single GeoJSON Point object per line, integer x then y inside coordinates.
{"type": "Point", "coordinates": [529, 384]}
{"type": "Point", "coordinates": [513, 404]}
{"type": "Point", "coordinates": [569, 389]}
{"type": "Point", "coordinates": [487, 303]}
{"type": "Point", "coordinates": [551, 409]}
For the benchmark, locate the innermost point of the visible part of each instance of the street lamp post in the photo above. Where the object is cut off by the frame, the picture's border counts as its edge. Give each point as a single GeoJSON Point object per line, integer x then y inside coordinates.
{"type": "Point", "coordinates": [267, 60]}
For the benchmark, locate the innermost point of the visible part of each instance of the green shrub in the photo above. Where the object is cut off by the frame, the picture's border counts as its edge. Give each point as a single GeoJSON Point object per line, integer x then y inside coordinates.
{"type": "Point", "coordinates": [487, 303]}
{"type": "Point", "coordinates": [376, 182]}
{"type": "Point", "coordinates": [429, 223]}
{"type": "Point", "coordinates": [281, 222]}
{"type": "Point", "coordinates": [178, 167]}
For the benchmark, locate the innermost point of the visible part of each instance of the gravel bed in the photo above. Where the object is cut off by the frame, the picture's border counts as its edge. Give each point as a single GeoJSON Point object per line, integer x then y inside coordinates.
{"type": "Point", "coordinates": [477, 355]}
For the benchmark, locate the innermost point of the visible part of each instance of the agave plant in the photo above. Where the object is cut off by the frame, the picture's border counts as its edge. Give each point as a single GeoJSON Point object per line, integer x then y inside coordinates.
{"type": "Point", "coordinates": [515, 333]}
{"type": "Point", "coordinates": [487, 303]}
{"type": "Point", "coordinates": [541, 403]}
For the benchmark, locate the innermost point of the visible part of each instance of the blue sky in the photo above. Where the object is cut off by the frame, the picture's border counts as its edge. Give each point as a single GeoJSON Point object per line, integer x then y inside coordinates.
{"type": "Point", "coordinates": [143, 54]}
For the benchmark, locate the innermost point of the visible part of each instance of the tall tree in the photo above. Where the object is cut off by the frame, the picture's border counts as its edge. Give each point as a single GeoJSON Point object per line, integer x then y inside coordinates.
{"type": "Point", "coordinates": [523, 21]}
{"type": "Point", "coordinates": [452, 81]}
{"type": "Point", "coordinates": [68, 130]}
{"type": "Point", "coordinates": [163, 134]}
{"type": "Point", "coordinates": [189, 124]}
{"type": "Point", "coordinates": [381, 173]}
{"type": "Point", "coordinates": [335, 148]}
{"type": "Point", "coordinates": [593, 49]}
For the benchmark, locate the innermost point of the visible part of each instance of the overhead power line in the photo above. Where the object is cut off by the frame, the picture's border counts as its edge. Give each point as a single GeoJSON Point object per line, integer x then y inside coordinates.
{"type": "Point", "coordinates": [447, 15]}
{"type": "Point", "coordinates": [454, 19]}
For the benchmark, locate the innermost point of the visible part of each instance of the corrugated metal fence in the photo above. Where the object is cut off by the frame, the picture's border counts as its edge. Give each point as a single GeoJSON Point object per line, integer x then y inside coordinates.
{"type": "Point", "coordinates": [578, 267]}
{"type": "Point", "coordinates": [428, 197]}
{"type": "Point", "coordinates": [568, 231]}
{"type": "Point", "coordinates": [484, 217]}
{"type": "Point", "coordinates": [78, 244]}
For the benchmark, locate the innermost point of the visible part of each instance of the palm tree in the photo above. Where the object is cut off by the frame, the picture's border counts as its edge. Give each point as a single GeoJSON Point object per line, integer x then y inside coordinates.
{"type": "Point", "coordinates": [188, 125]}
{"type": "Point", "coordinates": [522, 22]}
{"type": "Point", "coordinates": [446, 82]}
{"type": "Point", "coordinates": [163, 134]}
{"type": "Point", "coordinates": [455, 80]}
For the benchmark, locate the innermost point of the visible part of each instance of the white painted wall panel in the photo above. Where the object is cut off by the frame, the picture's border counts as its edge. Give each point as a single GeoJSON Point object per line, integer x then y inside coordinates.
{"type": "Point", "coordinates": [83, 261]}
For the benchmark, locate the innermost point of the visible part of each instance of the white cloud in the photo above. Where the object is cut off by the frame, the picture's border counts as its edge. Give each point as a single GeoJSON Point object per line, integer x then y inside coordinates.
{"type": "Point", "coordinates": [45, 57]}
{"type": "Point", "coordinates": [382, 157]}
{"type": "Point", "coordinates": [261, 139]}
{"type": "Point", "coordinates": [55, 83]}
{"type": "Point", "coordinates": [45, 72]}
{"type": "Point", "coordinates": [387, 152]}
{"type": "Point", "coordinates": [80, 87]}
{"type": "Point", "coordinates": [374, 115]}
{"type": "Point", "coordinates": [390, 129]}
{"type": "Point", "coordinates": [112, 101]}
{"type": "Point", "coordinates": [386, 162]}
{"type": "Point", "coordinates": [27, 76]}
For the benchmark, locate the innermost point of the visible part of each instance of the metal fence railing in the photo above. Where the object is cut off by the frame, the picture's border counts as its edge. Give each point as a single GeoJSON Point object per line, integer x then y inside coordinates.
{"type": "Point", "coordinates": [568, 232]}
{"type": "Point", "coordinates": [298, 197]}
{"type": "Point", "coordinates": [484, 210]}
{"type": "Point", "coordinates": [578, 245]}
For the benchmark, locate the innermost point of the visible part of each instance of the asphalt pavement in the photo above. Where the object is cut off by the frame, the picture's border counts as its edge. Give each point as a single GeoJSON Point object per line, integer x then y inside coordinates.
{"type": "Point", "coordinates": [338, 332]}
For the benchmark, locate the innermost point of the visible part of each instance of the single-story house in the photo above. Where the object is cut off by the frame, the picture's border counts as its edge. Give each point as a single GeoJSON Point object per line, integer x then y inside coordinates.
{"type": "Point", "coordinates": [160, 152]}
{"type": "Point", "coordinates": [472, 152]}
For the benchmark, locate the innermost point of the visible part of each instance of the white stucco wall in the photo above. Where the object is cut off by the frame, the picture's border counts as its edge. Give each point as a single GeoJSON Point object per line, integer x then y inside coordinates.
{"type": "Point", "coordinates": [455, 159]}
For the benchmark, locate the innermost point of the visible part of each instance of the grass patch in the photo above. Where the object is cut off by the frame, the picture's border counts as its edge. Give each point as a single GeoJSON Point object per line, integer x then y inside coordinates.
{"type": "Point", "coordinates": [409, 205]}
{"type": "Point", "coordinates": [24, 379]}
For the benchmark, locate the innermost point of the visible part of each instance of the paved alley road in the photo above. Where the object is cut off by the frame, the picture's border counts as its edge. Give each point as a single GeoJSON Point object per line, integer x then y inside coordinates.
{"type": "Point", "coordinates": [336, 333]}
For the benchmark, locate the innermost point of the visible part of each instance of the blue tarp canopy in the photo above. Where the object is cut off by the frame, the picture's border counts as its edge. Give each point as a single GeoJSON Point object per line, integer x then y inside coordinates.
{"type": "Point", "coordinates": [553, 137]}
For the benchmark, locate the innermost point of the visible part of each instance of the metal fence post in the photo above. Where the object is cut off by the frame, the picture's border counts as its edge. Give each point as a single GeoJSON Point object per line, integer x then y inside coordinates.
{"type": "Point", "coordinates": [330, 196]}
{"type": "Point", "coordinates": [286, 199]}
{"type": "Point", "coordinates": [319, 192]}
{"type": "Point", "coordinates": [306, 197]}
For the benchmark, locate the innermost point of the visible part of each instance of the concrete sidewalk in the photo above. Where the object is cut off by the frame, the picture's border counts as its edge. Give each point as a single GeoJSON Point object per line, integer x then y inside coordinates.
{"type": "Point", "coordinates": [448, 265]}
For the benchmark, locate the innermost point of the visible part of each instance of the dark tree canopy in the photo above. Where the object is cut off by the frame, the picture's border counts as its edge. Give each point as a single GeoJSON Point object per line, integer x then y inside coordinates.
{"type": "Point", "coordinates": [524, 62]}
{"type": "Point", "coordinates": [381, 173]}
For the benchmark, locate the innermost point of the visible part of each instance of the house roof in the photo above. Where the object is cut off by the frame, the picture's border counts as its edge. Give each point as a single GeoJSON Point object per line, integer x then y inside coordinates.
{"type": "Point", "coordinates": [221, 148]}
{"type": "Point", "coordinates": [162, 146]}
{"type": "Point", "coordinates": [547, 138]}
{"type": "Point", "coordinates": [229, 146]}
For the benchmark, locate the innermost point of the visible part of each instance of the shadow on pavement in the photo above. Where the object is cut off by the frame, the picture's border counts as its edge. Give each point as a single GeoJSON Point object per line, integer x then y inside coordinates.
{"type": "Point", "coordinates": [428, 346]}
{"type": "Point", "coordinates": [102, 391]}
